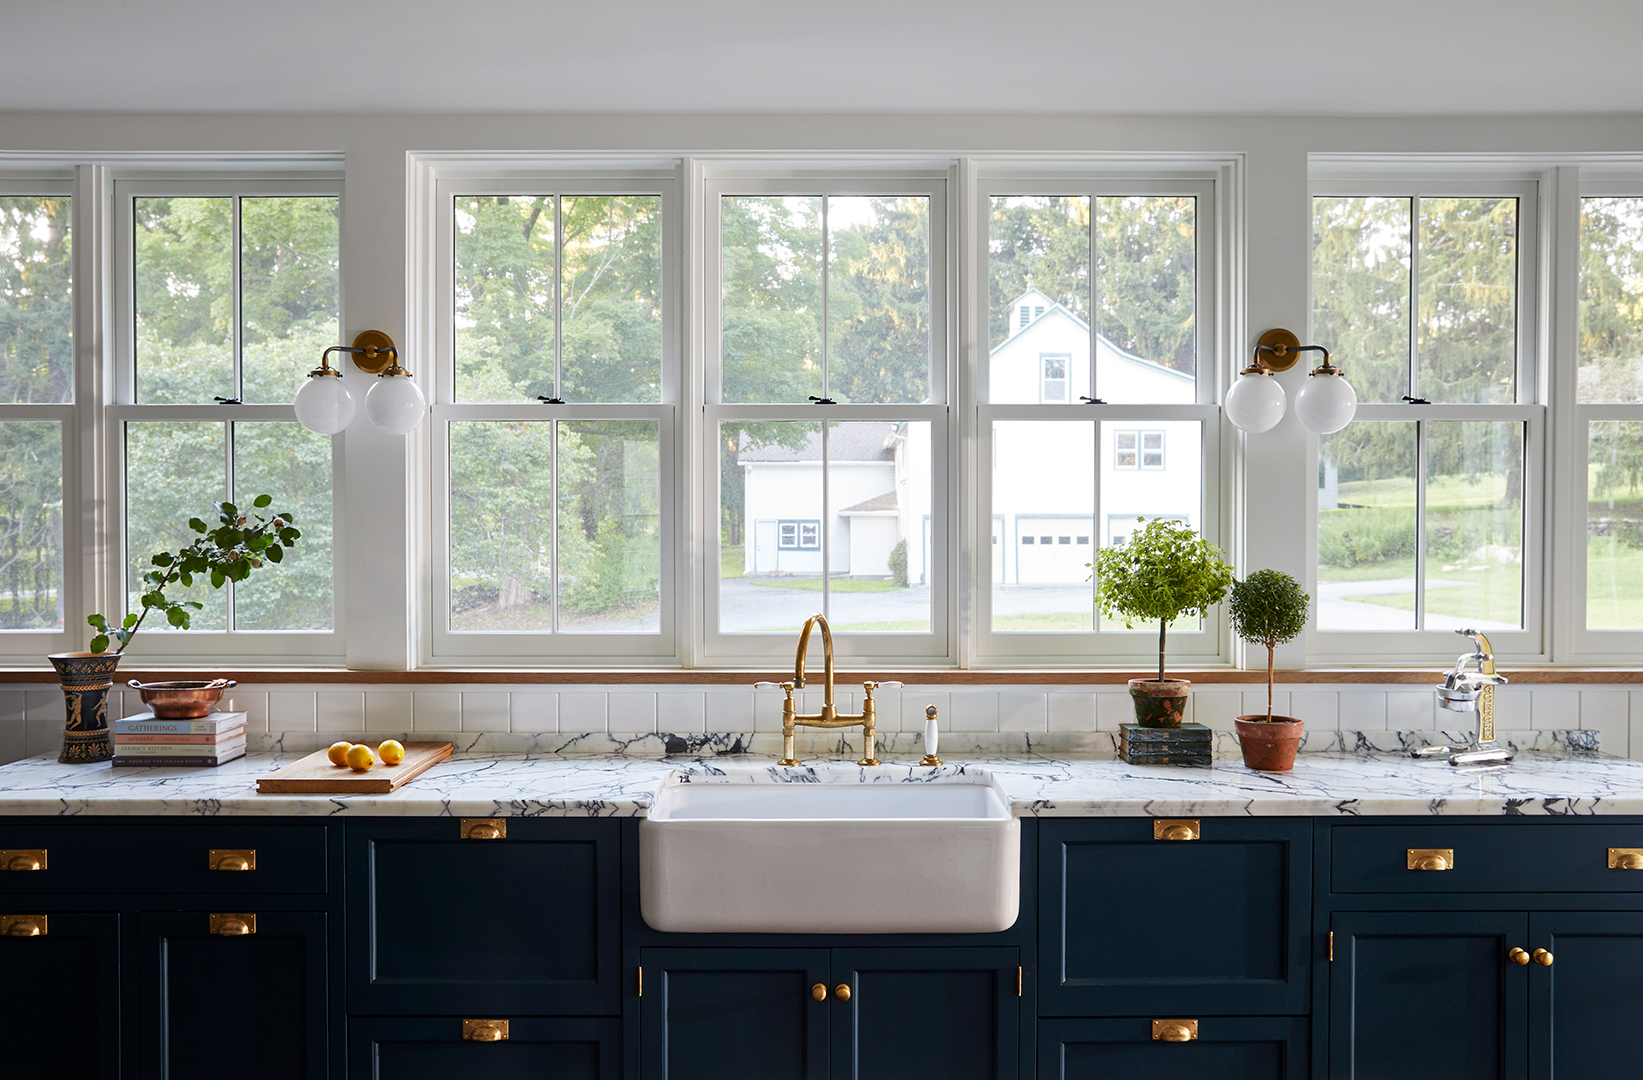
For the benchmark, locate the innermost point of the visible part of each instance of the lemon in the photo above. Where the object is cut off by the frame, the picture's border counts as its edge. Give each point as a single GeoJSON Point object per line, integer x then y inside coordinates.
{"type": "Point", "coordinates": [338, 753]}
{"type": "Point", "coordinates": [360, 757]}
{"type": "Point", "coordinates": [391, 752]}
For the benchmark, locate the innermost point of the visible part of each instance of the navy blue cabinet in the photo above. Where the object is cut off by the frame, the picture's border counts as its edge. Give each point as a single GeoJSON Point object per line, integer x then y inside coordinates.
{"type": "Point", "coordinates": [526, 924]}
{"type": "Point", "coordinates": [1134, 922]}
{"type": "Point", "coordinates": [433, 1048]}
{"type": "Point", "coordinates": [1584, 1005]}
{"type": "Point", "coordinates": [233, 996]}
{"type": "Point", "coordinates": [59, 995]}
{"type": "Point", "coordinates": [811, 1014]}
{"type": "Point", "coordinates": [1224, 1048]}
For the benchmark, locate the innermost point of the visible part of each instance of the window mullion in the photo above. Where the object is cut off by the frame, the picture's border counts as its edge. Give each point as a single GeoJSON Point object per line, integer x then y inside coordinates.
{"type": "Point", "coordinates": [553, 533]}
{"type": "Point", "coordinates": [1420, 525]}
{"type": "Point", "coordinates": [826, 486]}
{"type": "Point", "coordinates": [558, 330]}
{"type": "Point", "coordinates": [237, 291]}
{"type": "Point", "coordinates": [228, 489]}
{"type": "Point", "coordinates": [827, 266]}
{"type": "Point", "coordinates": [1414, 304]}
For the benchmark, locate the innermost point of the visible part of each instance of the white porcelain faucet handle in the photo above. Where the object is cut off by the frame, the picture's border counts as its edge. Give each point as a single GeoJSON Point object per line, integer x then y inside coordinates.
{"type": "Point", "coordinates": [931, 735]}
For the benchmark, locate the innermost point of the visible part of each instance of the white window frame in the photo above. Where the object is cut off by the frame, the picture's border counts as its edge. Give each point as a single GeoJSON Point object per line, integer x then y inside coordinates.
{"type": "Point", "coordinates": [1530, 644]}
{"type": "Point", "coordinates": [29, 644]}
{"type": "Point", "coordinates": [439, 644]}
{"type": "Point", "coordinates": [940, 645]}
{"type": "Point", "coordinates": [233, 646]}
{"type": "Point", "coordinates": [1112, 643]}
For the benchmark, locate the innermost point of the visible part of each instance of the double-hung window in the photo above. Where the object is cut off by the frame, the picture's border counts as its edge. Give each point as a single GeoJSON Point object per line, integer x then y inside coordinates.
{"type": "Point", "coordinates": [1427, 503]}
{"type": "Point", "coordinates": [37, 428]}
{"type": "Point", "coordinates": [1118, 277]}
{"type": "Point", "coordinates": [226, 292]}
{"type": "Point", "coordinates": [553, 444]}
{"type": "Point", "coordinates": [825, 390]}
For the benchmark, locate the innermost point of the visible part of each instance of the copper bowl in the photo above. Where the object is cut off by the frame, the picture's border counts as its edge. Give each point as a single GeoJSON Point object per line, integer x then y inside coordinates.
{"type": "Point", "coordinates": [185, 700]}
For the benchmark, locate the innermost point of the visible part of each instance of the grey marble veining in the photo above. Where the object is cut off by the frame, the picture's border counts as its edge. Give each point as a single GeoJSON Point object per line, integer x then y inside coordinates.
{"type": "Point", "coordinates": [1353, 779]}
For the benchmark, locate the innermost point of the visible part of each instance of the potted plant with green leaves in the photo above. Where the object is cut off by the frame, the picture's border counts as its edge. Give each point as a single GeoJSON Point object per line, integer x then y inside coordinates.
{"type": "Point", "coordinates": [240, 543]}
{"type": "Point", "coordinates": [1166, 571]}
{"type": "Point", "coordinates": [1269, 608]}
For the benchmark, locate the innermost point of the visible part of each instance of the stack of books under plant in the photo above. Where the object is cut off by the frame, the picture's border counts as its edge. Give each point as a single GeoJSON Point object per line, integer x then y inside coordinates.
{"type": "Point", "coordinates": [151, 741]}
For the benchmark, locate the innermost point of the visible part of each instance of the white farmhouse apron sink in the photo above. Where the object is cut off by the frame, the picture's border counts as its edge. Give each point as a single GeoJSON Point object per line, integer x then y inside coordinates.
{"type": "Point", "coordinates": [845, 855]}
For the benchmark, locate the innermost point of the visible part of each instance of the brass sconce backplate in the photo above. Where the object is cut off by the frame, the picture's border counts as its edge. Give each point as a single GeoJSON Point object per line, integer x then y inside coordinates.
{"type": "Point", "coordinates": [376, 339]}
{"type": "Point", "coordinates": [1273, 339]}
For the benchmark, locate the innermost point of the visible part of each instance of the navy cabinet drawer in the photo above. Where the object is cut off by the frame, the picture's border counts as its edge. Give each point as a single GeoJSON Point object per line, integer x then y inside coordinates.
{"type": "Point", "coordinates": [165, 858]}
{"type": "Point", "coordinates": [527, 924]}
{"type": "Point", "coordinates": [433, 1049]}
{"type": "Point", "coordinates": [1121, 931]}
{"type": "Point", "coordinates": [1515, 857]}
{"type": "Point", "coordinates": [1227, 1048]}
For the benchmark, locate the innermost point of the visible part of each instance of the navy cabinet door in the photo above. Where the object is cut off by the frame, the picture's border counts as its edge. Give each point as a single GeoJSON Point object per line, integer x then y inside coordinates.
{"type": "Point", "coordinates": [734, 1014]}
{"type": "Point", "coordinates": [1227, 1048]}
{"type": "Point", "coordinates": [1115, 937]}
{"type": "Point", "coordinates": [1423, 995]}
{"type": "Point", "coordinates": [60, 996]}
{"type": "Point", "coordinates": [247, 1007]}
{"type": "Point", "coordinates": [523, 925]}
{"type": "Point", "coordinates": [1584, 1008]}
{"type": "Point", "coordinates": [432, 1048]}
{"type": "Point", "coordinates": [926, 1014]}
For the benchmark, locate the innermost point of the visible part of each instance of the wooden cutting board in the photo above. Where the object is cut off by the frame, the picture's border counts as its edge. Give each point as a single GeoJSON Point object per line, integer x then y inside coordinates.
{"type": "Point", "coordinates": [315, 775]}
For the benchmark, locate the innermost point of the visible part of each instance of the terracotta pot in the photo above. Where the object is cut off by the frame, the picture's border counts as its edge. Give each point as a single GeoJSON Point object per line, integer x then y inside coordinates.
{"type": "Point", "coordinates": [1160, 703]}
{"type": "Point", "coordinates": [86, 679]}
{"type": "Point", "coordinates": [1269, 747]}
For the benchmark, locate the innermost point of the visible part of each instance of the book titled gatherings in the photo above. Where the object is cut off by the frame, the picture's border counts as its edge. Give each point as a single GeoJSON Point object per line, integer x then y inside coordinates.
{"type": "Point", "coordinates": [149, 741]}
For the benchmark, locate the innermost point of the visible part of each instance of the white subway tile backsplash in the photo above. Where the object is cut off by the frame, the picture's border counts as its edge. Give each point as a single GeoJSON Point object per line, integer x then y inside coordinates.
{"type": "Point", "coordinates": [975, 710]}
{"type": "Point", "coordinates": [632, 712]}
{"type": "Point", "coordinates": [1411, 710]}
{"type": "Point", "coordinates": [1608, 713]}
{"type": "Point", "coordinates": [1217, 708]}
{"type": "Point", "coordinates": [532, 711]}
{"type": "Point", "coordinates": [45, 705]}
{"type": "Point", "coordinates": [1254, 702]}
{"type": "Point", "coordinates": [1554, 708]}
{"type": "Point", "coordinates": [253, 703]}
{"type": "Point", "coordinates": [583, 711]}
{"type": "Point", "coordinates": [340, 711]}
{"type": "Point", "coordinates": [1072, 711]}
{"type": "Point", "coordinates": [484, 711]}
{"type": "Point", "coordinates": [734, 709]}
{"type": "Point", "coordinates": [291, 710]}
{"type": "Point", "coordinates": [388, 712]}
{"type": "Point", "coordinates": [12, 705]}
{"type": "Point", "coordinates": [1363, 710]}
{"type": "Point", "coordinates": [681, 711]}
{"type": "Point", "coordinates": [1512, 709]}
{"type": "Point", "coordinates": [913, 703]}
{"type": "Point", "coordinates": [436, 711]}
{"type": "Point", "coordinates": [1319, 708]}
{"type": "Point", "coordinates": [42, 737]}
{"type": "Point", "coordinates": [1112, 708]}
{"type": "Point", "coordinates": [1022, 710]}
{"type": "Point", "coordinates": [13, 738]}
{"type": "Point", "coordinates": [1636, 745]}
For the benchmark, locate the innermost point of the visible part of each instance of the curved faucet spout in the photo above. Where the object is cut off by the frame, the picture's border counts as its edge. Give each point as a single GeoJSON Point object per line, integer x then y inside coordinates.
{"type": "Point", "coordinates": [827, 656]}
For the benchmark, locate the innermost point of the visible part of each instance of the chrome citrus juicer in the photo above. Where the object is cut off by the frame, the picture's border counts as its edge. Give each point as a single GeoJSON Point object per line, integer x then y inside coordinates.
{"type": "Point", "coordinates": [1472, 692]}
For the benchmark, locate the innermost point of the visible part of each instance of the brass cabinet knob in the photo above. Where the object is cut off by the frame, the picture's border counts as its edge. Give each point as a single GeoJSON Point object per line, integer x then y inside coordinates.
{"type": "Point", "coordinates": [24, 860]}
{"type": "Point", "coordinates": [23, 926]}
{"type": "Point", "coordinates": [1177, 1031]}
{"type": "Point", "coordinates": [1175, 829]}
{"type": "Point", "coordinates": [818, 992]}
{"type": "Point", "coordinates": [1518, 956]}
{"type": "Point", "coordinates": [484, 828]}
{"type": "Point", "coordinates": [232, 859]}
{"type": "Point", "coordinates": [485, 1030]}
{"type": "Point", "coordinates": [1431, 858]}
{"type": "Point", "coordinates": [1621, 858]}
{"type": "Point", "coordinates": [226, 925]}
{"type": "Point", "coordinates": [1542, 957]}
{"type": "Point", "coordinates": [842, 991]}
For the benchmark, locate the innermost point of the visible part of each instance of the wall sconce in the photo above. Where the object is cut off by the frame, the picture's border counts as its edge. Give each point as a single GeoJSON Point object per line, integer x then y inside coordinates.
{"type": "Point", "coordinates": [1256, 402]}
{"type": "Point", "coordinates": [393, 404]}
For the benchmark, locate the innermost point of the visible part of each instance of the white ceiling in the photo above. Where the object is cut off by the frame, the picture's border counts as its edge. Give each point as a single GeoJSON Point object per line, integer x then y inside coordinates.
{"type": "Point", "coordinates": [1145, 56]}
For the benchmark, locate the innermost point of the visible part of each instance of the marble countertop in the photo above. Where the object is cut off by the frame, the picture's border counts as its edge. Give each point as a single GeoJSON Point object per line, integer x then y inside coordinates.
{"type": "Point", "coordinates": [1325, 784]}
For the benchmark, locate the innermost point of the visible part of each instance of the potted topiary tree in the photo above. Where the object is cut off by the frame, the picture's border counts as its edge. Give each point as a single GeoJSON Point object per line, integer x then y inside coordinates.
{"type": "Point", "coordinates": [1166, 571]}
{"type": "Point", "coordinates": [1269, 608]}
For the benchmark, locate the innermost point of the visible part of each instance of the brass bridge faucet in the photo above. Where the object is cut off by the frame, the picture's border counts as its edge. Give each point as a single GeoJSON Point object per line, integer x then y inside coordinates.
{"type": "Point", "coordinates": [829, 716]}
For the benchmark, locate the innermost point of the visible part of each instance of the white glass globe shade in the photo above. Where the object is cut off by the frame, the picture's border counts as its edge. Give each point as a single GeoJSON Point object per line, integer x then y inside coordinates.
{"type": "Point", "coordinates": [395, 404]}
{"type": "Point", "coordinates": [1255, 403]}
{"type": "Point", "coordinates": [1326, 403]}
{"type": "Point", "coordinates": [323, 404]}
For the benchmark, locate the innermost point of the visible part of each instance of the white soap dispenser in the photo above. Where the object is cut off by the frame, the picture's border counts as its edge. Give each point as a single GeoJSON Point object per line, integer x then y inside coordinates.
{"type": "Point", "coordinates": [930, 737]}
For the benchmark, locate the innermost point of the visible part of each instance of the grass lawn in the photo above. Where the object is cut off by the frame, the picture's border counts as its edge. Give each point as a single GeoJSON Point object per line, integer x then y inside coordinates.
{"type": "Point", "coordinates": [836, 585]}
{"type": "Point", "coordinates": [1614, 585]}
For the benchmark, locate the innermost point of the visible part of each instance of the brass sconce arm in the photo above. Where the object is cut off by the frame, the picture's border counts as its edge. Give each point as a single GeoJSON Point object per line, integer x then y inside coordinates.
{"type": "Point", "coordinates": [1279, 350]}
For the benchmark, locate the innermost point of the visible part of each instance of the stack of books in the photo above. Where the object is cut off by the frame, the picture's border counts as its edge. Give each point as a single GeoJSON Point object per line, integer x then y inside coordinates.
{"type": "Point", "coordinates": [145, 739]}
{"type": "Point", "coordinates": [1189, 744]}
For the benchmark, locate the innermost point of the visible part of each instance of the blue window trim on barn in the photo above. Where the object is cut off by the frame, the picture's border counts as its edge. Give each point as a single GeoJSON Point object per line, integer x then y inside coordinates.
{"type": "Point", "coordinates": [797, 526]}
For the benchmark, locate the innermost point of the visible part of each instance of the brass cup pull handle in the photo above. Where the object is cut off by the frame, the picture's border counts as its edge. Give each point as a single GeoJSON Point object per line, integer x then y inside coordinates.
{"type": "Point", "coordinates": [23, 925]}
{"type": "Point", "coordinates": [233, 925]}
{"type": "Point", "coordinates": [1518, 957]}
{"type": "Point", "coordinates": [485, 1030]}
{"type": "Point", "coordinates": [818, 992]}
{"type": "Point", "coordinates": [1176, 1031]}
{"type": "Point", "coordinates": [232, 860]}
{"type": "Point", "coordinates": [1626, 858]}
{"type": "Point", "coordinates": [1175, 829]}
{"type": "Point", "coordinates": [1431, 859]}
{"type": "Point", "coordinates": [1542, 957]}
{"type": "Point", "coordinates": [23, 861]}
{"type": "Point", "coordinates": [484, 829]}
{"type": "Point", "coordinates": [842, 991]}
